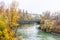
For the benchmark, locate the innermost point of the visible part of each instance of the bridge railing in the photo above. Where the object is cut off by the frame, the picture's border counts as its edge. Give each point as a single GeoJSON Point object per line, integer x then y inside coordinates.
{"type": "Point", "coordinates": [27, 21]}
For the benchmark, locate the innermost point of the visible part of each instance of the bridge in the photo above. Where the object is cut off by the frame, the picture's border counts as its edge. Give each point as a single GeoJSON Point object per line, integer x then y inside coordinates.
{"type": "Point", "coordinates": [28, 21]}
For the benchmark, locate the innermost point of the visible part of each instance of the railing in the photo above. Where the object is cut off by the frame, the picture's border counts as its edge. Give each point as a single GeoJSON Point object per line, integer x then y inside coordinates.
{"type": "Point", "coordinates": [27, 21]}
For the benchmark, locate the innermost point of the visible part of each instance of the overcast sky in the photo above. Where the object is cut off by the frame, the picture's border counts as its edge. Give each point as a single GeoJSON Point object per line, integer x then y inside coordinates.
{"type": "Point", "coordinates": [37, 6]}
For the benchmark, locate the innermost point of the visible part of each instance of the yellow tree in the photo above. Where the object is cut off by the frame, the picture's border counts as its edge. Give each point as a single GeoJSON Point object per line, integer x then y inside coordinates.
{"type": "Point", "coordinates": [5, 32]}
{"type": "Point", "coordinates": [8, 21]}
{"type": "Point", "coordinates": [12, 17]}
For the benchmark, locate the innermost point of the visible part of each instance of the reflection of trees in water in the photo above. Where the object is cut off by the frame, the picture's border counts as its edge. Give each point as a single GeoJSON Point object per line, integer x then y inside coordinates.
{"type": "Point", "coordinates": [26, 25]}
{"type": "Point", "coordinates": [46, 36]}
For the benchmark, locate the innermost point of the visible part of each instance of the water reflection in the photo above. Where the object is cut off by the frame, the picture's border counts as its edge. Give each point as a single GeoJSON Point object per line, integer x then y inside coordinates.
{"type": "Point", "coordinates": [32, 33]}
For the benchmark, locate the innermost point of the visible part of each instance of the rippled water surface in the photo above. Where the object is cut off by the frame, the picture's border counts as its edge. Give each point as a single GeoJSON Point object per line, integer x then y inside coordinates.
{"type": "Point", "coordinates": [32, 33]}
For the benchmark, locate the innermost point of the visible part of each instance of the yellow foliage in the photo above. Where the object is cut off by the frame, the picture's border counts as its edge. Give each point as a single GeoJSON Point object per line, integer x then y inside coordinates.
{"type": "Point", "coordinates": [7, 22]}
{"type": "Point", "coordinates": [4, 34]}
{"type": "Point", "coordinates": [20, 38]}
{"type": "Point", "coordinates": [0, 33]}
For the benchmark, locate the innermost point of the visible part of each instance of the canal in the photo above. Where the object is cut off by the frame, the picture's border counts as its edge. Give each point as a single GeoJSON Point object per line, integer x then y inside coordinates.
{"type": "Point", "coordinates": [30, 32]}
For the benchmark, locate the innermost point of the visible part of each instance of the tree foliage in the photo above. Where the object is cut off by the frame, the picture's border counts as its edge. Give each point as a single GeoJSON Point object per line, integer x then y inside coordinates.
{"type": "Point", "coordinates": [47, 24]}
{"type": "Point", "coordinates": [8, 18]}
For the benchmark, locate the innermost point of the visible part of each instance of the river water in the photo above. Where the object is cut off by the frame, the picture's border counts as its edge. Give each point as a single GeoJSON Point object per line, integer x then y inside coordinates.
{"type": "Point", "coordinates": [32, 33]}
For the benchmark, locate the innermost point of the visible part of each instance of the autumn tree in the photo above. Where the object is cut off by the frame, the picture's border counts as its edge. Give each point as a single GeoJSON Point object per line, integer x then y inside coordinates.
{"type": "Point", "coordinates": [8, 21]}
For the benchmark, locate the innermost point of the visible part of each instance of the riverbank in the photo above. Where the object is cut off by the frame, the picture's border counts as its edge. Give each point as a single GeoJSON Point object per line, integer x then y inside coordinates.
{"type": "Point", "coordinates": [52, 32]}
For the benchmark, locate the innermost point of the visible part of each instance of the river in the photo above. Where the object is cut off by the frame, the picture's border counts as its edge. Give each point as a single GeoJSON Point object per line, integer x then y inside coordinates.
{"type": "Point", "coordinates": [32, 33]}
